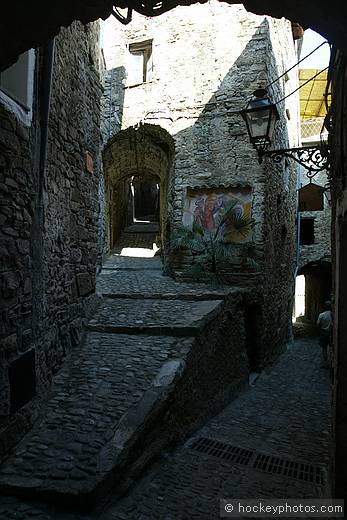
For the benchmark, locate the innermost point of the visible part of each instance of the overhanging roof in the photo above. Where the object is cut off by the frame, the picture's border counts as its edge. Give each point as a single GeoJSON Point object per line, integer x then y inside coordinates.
{"type": "Point", "coordinates": [312, 103]}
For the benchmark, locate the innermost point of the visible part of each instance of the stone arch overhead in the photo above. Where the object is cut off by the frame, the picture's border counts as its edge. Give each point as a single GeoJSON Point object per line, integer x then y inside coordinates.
{"type": "Point", "coordinates": [145, 151]}
{"type": "Point", "coordinates": [34, 23]}
{"type": "Point", "coordinates": [320, 263]}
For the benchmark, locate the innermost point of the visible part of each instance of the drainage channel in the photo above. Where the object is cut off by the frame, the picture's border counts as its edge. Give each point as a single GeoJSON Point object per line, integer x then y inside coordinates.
{"type": "Point", "coordinates": [221, 450]}
{"type": "Point", "coordinates": [259, 461]}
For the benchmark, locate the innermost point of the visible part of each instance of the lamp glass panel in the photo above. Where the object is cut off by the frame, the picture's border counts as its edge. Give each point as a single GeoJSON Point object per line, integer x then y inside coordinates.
{"type": "Point", "coordinates": [258, 121]}
{"type": "Point", "coordinates": [272, 124]}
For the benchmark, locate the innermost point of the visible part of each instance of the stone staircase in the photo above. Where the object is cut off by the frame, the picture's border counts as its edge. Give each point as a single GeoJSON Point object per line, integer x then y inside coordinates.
{"type": "Point", "coordinates": [131, 387]}
{"type": "Point", "coordinates": [138, 235]}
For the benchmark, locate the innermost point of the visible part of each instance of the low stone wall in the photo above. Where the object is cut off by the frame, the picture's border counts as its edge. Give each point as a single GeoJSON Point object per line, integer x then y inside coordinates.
{"type": "Point", "coordinates": [212, 370]}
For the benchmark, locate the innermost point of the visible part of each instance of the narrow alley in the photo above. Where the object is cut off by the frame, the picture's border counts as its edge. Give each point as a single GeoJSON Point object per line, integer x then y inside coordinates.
{"type": "Point", "coordinates": [173, 243]}
{"type": "Point", "coordinates": [273, 440]}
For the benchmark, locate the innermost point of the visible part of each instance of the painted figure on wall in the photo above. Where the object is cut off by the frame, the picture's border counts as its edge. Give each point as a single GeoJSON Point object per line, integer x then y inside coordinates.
{"type": "Point", "coordinates": [199, 212]}
{"type": "Point", "coordinates": [210, 213]}
{"type": "Point", "coordinates": [206, 207]}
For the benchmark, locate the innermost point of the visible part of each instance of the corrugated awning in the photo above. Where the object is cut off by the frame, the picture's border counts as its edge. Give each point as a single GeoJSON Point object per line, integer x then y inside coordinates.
{"type": "Point", "coordinates": [312, 95]}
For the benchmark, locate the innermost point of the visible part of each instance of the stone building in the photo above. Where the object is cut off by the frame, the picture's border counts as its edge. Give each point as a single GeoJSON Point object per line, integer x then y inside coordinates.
{"type": "Point", "coordinates": [49, 172]}
{"type": "Point", "coordinates": [314, 245]}
{"type": "Point", "coordinates": [35, 23]}
{"type": "Point", "coordinates": [174, 89]}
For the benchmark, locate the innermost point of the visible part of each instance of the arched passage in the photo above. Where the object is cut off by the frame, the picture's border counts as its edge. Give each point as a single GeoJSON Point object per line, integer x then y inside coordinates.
{"type": "Point", "coordinates": [137, 167]}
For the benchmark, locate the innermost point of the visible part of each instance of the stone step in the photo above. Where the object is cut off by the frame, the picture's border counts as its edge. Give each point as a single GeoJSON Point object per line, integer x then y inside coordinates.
{"type": "Point", "coordinates": [118, 386]}
{"type": "Point", "coordinates": [115, 261]}
{"type": "Point", "coordinates": [135, 240]}
{"type": "Point", "coordinates": [155, 317]}
{"type": "Point", "coordinates": [142, 227]}
{"type": "Point", "coordinates": [106, 391]}
{"type": "Point", "coordinates": [138, 285]}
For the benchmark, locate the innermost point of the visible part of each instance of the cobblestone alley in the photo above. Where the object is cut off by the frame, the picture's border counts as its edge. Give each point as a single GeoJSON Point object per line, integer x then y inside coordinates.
{"type": "Point", "coordinates": [280, 421]}
{"type": "Point", "coordinates": [285, 415]}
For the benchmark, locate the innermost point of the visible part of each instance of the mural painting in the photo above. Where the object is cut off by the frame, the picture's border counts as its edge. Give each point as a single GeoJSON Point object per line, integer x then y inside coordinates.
{"type": "Point", "coordinates": [206, 208]}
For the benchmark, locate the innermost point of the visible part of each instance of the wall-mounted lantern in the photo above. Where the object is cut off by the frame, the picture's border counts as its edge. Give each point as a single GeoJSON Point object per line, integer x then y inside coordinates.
{"type": "Point", "coordinates": [260, 116]}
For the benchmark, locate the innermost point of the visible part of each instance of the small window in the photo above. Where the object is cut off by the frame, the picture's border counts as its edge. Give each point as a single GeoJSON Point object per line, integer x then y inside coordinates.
{"type": "Point", "coordinates": [306, 231]}
{"type": "Point", "coordinates": [14, 80]}
{"type": "Point", "coordinates": [139, 62]}
{"type": "Point", "coordinates": [22, 380]}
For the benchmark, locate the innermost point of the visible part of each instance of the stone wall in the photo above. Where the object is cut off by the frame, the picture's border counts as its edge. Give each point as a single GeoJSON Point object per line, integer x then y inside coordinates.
{"type": "Point", "coordinates": [206, 62]}
{"type": "Point", "coordinates": [210, 371]}
{"type": "Point", "coordinates": [18, 194]}
{"type": "Point", "coordinates": [70, 236]}
{"type": "Point", "coordinates": [339, 231]}
{"type": "Point", "coordinates": [321, 248]}
{"type": "Point", "coordinates": [49, 224]}
{"type": "Point", "coordinates": [279, 228]}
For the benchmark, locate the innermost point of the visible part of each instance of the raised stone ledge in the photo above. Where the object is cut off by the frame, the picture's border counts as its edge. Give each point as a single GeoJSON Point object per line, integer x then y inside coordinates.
{"type": "Point", "coordinates": [154, 317]}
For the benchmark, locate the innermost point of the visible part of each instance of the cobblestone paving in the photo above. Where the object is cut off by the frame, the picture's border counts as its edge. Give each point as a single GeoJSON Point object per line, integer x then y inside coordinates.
{"type": "Point", "coordinates": [104, 377]}
{"type": "Point", "coordinates": [286, 413]}
{"type": "Point", "coordinates": [100, 380]}
{"type": "Point", "coordinates": [286, 408]}
{"type": "Point", "coordinates": [14, 509]}
{"type": "Point", "coordinates": [116, 261]}
{"type": "Point", "coordinates": [185, 318]}
{"type": "Point", "coordinates": [136, 285]}
{"type": "Point", "coordinates": [142, 227]}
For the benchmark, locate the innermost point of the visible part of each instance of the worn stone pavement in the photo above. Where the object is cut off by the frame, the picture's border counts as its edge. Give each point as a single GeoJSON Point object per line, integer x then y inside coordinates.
{"type": "Point", "coordinates": [125, 345]}
{"type": "Point", "coordinates": [285, 414]}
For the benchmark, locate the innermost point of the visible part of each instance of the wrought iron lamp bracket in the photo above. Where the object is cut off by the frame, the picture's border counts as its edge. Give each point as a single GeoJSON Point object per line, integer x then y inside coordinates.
{"type": "Point", "coordinates": [313, 158]}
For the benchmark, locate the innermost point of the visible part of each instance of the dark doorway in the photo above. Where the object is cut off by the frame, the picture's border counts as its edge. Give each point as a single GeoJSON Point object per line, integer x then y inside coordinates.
{"type": "Point", "coordinates": [22, 380]}
{"type": "Point", "coordinates": [252, 333]}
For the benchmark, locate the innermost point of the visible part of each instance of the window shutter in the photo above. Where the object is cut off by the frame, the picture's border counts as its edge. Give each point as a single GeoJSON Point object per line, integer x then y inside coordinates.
{"type": "Point", "coordinates": [150, 67]}
{"type": "Point", "coordinates": [135, 68]}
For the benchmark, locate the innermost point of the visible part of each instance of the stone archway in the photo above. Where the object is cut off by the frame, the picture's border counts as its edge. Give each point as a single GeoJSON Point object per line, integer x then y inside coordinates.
{"type": "Point", "coordinates": [35, 22]}
{"type": "Point", "coordinates": [142, 154]}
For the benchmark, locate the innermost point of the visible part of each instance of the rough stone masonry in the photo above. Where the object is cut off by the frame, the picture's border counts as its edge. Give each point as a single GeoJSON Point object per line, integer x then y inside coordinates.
{"type": "Point", "coordinates": [48, 217]}
{"type": "Point", "coordinates": [202, 66]}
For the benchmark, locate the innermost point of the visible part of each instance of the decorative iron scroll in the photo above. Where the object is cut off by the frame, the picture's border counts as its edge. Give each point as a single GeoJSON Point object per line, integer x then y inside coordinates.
{"type": "Point", "coordinates": [149, 7]}
{"type": "Point", "coordinates": [313, 158]}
